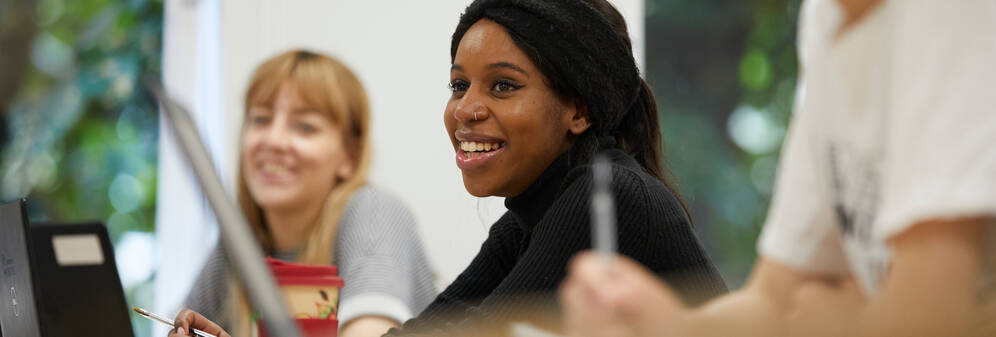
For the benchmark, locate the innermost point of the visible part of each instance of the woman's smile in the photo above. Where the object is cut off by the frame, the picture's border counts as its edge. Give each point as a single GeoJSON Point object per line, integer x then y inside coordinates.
{"type": "Point", "coordinates": [276, 173]}
{"type": "Point", "coordinates": [473, 155]}
{"type": "Point", "coordinates": [475, 151]}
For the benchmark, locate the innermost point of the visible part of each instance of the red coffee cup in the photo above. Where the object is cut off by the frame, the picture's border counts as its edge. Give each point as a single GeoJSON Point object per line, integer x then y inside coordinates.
{"type": "Point", "coordinates": [311, 294]}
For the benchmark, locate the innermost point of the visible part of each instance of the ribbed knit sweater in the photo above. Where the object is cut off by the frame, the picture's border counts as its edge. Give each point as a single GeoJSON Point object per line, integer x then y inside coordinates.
{"type": "Point", "coordinates": [524, 259]}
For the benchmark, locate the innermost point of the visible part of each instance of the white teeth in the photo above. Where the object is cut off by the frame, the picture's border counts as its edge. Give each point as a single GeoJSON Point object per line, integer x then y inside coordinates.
{"type": "Point", "coordinates": [479, 147]}
{"type": "Point", "coordinates": [272, 168]}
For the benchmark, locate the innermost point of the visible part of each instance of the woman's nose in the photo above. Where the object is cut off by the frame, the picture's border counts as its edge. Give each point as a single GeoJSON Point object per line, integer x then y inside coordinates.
{"type": "Point", "coordinates": [276, 135]}
{"type": "Point", "coordinates": [470, 109]}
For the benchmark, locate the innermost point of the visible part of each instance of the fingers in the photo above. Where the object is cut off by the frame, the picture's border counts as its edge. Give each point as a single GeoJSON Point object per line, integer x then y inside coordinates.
{"type": "Point", "coordinates": [624, 285]}
{"type": "Point", "coordinates": [622, 298]}
{"type": "Point", "coordinates": [584, 317]}
{"type": "Point", "coordinates": [177, 332]}
{"type": "Point", "coordinates": [188, 319]}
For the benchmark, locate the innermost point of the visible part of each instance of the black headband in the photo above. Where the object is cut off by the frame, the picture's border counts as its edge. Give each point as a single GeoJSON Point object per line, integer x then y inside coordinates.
{"type": "Point", "coordinates": [578, 42]}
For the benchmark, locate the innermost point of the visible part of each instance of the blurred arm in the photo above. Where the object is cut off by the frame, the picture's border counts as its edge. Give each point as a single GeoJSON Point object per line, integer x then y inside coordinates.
{"type": "Point", "coordinates": [932, 288]}
{"type": "Point", "coordinates": [628, 300]}
{"type": "Point", "coordinates": [759, 309]}
{"type": "Point", "coordinates": [365, 326]}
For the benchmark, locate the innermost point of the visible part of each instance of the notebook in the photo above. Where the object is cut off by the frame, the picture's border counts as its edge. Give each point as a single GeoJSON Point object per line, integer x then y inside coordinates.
{"type": "Point", "coordinates": [78, 291]}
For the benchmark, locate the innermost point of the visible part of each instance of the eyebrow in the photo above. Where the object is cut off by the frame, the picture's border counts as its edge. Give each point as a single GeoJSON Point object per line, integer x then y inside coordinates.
{"type": "Point", "coordinates": [457, 67]}
{"type": "Point", "coordinates": [507, 65]}
{"type": "Point", "coordinates": [304, 111]}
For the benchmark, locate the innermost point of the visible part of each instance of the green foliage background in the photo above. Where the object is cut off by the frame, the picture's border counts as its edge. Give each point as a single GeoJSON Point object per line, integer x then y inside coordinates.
{"type": "Point", "coordinates": [724, 75]}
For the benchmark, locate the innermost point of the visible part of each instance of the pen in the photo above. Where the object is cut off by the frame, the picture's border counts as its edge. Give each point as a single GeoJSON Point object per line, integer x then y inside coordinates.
{"type": "Point", "coordinates": [167, 321]}
{"type": "Point", "coordinates": [603, 209]}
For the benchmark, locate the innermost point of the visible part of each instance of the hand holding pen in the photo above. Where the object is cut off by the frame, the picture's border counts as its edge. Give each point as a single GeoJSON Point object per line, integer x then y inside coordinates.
{"type": "Point", "coordinates": [187, 323]}
{"type": "Point", "coordinates": [603, 290]}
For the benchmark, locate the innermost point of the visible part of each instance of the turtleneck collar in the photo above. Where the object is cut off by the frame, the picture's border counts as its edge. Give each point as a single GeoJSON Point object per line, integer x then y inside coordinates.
{"type": "Point", "coordinates": [529, 206]}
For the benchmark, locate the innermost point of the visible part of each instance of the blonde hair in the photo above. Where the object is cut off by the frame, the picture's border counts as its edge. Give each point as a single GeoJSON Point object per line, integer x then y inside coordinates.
{"type": "Point", "coordinates": [327, 86]}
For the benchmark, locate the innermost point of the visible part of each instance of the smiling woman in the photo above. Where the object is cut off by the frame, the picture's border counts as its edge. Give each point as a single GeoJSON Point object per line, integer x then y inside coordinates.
{"type": "Point", "coordinates": [302, 185]}
{"type": "Point", "coordinates": [538, 88]}
{"type": "Point", "coordinates": [505, 121]}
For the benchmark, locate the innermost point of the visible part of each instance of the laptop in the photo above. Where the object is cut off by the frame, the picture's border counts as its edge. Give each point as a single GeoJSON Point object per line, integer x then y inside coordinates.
{"type": "Point", "coordinates": [71, 285]}
{"type": "Point", "coordinates": [18, 316]}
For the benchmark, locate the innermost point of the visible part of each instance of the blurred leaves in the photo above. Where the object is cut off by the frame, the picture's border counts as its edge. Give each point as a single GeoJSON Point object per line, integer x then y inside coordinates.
{"type": "Point", "coordinates": [79, 123]}
{"type": "Point", "coordinates": [82, 139]}
{"type": "Point", "coordinates": [724, 76]}
{"type": "Point", "coordinates": [755, 70]}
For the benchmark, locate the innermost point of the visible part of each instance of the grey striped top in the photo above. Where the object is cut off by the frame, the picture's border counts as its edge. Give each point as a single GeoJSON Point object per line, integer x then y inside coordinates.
{"type": "Point", "coordinates": [379, 255]}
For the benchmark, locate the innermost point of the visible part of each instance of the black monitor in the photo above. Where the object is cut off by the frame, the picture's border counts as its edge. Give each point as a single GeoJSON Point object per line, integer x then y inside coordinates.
{"type": "Point", "coordinates": [18, 315]}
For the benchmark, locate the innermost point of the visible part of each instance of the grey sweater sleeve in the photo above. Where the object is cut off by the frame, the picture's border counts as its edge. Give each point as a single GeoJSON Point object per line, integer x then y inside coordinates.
{"type": "Point", "coordinates": [380, 256]}
{"type": "Point", "coordinates": [209, 294]}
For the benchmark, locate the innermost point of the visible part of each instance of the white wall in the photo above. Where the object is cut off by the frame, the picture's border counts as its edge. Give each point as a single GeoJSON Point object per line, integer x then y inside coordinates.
{"type": "Point", "coordinates": [400, 50]}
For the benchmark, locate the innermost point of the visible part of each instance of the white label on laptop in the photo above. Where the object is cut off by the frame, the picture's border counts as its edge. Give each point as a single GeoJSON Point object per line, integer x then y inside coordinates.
{"type": "Point", "coordinates": [78, 250]}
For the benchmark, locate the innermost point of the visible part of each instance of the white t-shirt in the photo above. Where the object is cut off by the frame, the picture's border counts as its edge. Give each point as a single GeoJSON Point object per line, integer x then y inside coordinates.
{"type": "Point", "coordinates": [894, 124]}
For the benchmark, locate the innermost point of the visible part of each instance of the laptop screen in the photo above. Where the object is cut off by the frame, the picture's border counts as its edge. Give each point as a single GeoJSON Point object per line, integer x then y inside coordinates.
{"type": "Point", "coordinates": [18, 316]}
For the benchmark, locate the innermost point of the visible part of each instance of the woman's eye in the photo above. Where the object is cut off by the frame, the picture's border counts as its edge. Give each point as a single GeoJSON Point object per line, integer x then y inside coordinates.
{"type": "Point", "coordinates": [307, 128]}
{"type": "Point", "coordinates": [505, 86]}
{"type": "Point", "coordinates": [457, 86]}
{"type": "Point", "coordinates": [260, 120]}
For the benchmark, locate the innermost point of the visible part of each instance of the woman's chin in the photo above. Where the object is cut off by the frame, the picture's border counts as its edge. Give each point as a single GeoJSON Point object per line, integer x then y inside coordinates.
{"type": "Point", "coordinates": [476, 188]}
{"type": "Point", "coordinates": [278, 202]}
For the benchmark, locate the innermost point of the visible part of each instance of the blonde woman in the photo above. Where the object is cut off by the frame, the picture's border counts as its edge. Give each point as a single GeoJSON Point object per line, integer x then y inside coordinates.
{"type": "Point", "coordinates": [302, 185]}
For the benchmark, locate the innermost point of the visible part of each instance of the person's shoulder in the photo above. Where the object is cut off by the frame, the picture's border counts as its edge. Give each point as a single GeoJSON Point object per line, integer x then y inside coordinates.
{"type": "Point", "coordinates": [371, 197]}
{"type": "Point", "coordinates": [933, 11]}
{"type": "Point", "coordinates": [506, 225]}
{"type": "Point", "coordinates": [628, 177]}
{"type": "Point", "coordinates": [370, 193]}
{"type": "Point", "coordinates": [921, 25]}
{"type": "Point", "coordinates": [632, 186]}
{"type": "Point", "coordinates": [378, 207]}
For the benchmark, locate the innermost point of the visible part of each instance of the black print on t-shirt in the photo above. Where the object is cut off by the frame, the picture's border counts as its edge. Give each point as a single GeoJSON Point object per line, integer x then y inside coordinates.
{"type": "Point", "coordinates": [855, 182]}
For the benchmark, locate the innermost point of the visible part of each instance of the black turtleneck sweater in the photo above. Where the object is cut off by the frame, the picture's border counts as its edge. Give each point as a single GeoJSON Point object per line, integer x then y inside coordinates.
{"type": "Point", "coordinates": [524, 258]}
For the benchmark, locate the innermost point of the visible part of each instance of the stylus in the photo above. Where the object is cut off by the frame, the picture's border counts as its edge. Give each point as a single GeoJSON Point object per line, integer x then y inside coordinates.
{"type": "Point", "coordinates": [153, 316]}
{"type": "Point", "coordinates": [603, 209]}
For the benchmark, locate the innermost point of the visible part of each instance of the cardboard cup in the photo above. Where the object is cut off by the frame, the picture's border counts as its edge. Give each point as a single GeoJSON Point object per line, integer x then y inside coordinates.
{"type": "Point", "coordinates": [311, 294]}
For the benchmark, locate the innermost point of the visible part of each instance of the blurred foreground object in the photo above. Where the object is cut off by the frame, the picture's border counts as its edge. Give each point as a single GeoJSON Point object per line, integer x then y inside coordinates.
{"type": "Point", "coordinates": [245, 255]}
{"type": "Point", "coordinates": [17, 27]}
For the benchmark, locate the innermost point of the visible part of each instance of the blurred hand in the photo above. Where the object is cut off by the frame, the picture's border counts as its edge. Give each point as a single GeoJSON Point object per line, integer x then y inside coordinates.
{"type": "Point", "coordinates": [619, 299]}
{"type": "Point", "coordinates": [821, 309]}
{"type": "Point", "coordinates": [187, 319]}
{"type": "Point", "coordinates": [987, 325]}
